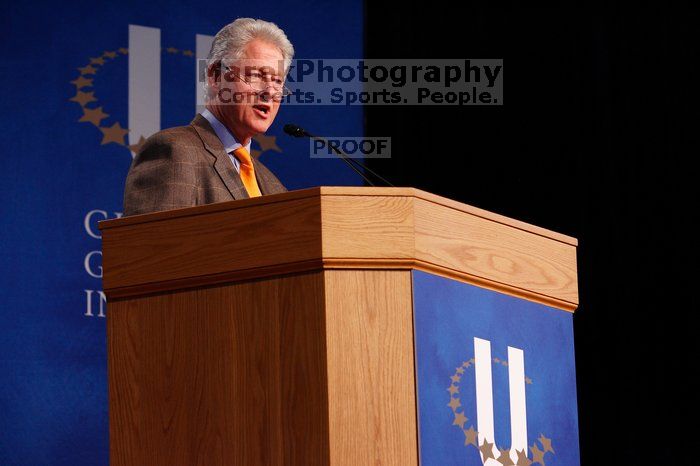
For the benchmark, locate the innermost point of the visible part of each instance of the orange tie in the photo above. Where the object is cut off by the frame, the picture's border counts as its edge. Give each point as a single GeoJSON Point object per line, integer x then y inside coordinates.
{"type": "Point", "coordinates": [247, 172]}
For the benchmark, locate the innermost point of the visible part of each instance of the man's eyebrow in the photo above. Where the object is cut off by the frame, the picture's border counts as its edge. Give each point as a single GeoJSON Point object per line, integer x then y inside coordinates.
{"type": "Point", "coordinates": [270, 74]}
{"type": "Point", "coordinates": [264, 70]}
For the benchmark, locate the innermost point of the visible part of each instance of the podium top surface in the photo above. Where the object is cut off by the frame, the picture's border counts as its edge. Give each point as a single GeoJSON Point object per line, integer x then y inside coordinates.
{"type": "Point", "coordinates": [339, 191]}
{"type": "Point", "coordinates": [337, 227]}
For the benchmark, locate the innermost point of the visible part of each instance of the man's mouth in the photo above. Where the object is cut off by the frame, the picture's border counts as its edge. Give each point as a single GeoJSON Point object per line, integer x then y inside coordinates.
{"type": "Point", "coordinates": [262, 109]}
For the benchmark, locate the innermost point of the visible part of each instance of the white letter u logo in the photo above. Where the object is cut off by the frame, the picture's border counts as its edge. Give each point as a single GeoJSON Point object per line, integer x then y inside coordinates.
{"type": "Point", "coordinates": [484, 399]}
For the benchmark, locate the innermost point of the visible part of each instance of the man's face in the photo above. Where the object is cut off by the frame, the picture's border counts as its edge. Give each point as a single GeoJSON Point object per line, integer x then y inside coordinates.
{"type": "Point", "coordinates": [261, 64]}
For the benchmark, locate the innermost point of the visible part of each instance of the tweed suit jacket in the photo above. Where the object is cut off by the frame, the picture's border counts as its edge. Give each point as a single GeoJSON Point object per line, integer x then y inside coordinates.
{"type": "Point", "coordinates": [187, 166]}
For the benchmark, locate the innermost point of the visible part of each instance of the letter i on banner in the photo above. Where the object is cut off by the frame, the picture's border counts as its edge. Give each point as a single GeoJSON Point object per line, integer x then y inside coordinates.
{"type": "Point", "coordinates": [144, 82]}
{"type": "Point", "coordinates": [202, 47]}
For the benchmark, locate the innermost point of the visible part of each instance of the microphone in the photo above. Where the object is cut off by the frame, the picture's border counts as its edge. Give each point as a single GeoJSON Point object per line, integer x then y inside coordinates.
{"type": "Point", "coordinates": [295, 131]}
{"type": "Point", "coordinates": [299, 132]}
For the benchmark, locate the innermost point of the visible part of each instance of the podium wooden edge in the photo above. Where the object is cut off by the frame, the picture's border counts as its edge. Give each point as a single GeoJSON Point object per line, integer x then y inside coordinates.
{"type": "Point", "coordinates": [336, 264]}
{"type": "Point", "coordinates": [337, 191]}
{"type": "Point", "coordinates": [343, 228]}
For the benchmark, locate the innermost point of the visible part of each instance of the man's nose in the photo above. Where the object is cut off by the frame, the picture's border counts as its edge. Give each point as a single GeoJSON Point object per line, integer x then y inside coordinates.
{"type": "Point", "coordinates": [265, 94]}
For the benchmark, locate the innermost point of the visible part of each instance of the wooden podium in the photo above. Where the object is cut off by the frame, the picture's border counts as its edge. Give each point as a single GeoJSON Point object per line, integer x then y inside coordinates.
{"type": "Point", "coordinates": [280, 330]}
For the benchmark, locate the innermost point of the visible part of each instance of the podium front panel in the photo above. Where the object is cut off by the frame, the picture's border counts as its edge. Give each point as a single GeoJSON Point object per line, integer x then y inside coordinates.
{"type": "Point", "coordinates": [495, 376]}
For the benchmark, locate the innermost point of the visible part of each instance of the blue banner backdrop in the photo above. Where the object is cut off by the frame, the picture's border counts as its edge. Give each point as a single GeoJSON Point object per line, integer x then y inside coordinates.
{"type": "Point", "coordinates": [64, 81]}
{"type": "Point", "coordinates": [526, 376]}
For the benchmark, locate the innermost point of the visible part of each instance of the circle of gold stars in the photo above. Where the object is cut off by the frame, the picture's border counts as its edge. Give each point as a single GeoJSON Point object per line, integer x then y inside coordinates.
{"type": "Point", "coordinates": [471, 436]}
{"type": "Point", "coordinates": [115, 133]}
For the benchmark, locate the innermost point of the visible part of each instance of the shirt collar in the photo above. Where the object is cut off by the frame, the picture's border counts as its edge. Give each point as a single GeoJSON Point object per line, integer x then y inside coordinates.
{"type": "Point", "coordinates": [227, 138]}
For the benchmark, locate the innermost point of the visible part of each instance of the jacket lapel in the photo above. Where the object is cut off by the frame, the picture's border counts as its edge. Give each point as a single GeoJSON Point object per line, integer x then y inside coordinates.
{"type": "Point", "coordinates": [259, 176]}
{"type": "Point", "coordinates": [222, 162]}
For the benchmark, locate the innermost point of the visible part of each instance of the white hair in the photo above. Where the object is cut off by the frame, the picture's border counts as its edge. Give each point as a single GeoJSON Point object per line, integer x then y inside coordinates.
{"type": "Point", "coordinates": [232, 39]}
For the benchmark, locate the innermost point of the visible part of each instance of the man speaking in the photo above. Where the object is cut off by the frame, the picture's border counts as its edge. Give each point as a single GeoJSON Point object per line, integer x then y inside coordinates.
{"type": "Point", "coordinates": [209, 160]}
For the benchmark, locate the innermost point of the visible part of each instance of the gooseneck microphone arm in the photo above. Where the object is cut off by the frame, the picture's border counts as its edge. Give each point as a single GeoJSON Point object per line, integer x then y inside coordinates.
{"type": "Point", "coordinates": [344, 158]}
{"type": "Point", "coordinates": [299, 132]}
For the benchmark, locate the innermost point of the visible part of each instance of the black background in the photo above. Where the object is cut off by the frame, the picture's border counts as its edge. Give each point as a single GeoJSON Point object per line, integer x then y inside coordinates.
{"type": "Point", "coordinates": [594, 141]}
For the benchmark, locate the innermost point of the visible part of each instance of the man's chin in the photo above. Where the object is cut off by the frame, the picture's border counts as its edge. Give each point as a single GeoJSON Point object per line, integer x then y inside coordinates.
{"type": "Point", "coordinates": [260, 129]}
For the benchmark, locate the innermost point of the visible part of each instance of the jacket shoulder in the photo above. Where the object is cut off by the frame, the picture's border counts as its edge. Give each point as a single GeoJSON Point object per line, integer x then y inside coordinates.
{"type": "Point", "coordinates": [175, 142]}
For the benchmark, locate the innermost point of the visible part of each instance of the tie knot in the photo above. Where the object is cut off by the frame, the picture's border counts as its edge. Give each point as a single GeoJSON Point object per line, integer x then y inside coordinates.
{"type": "Point", "coordinates": [243, 156]}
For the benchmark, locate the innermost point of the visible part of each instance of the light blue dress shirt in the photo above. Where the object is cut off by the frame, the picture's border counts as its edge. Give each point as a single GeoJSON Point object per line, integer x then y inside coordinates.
{"type": "Point", "coordinates": [227, 138]}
